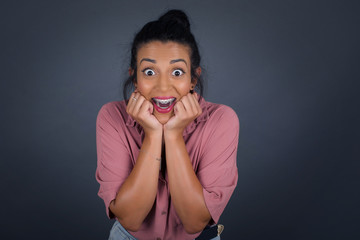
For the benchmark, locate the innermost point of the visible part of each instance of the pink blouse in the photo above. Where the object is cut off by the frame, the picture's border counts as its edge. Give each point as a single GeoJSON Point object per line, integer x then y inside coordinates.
{"type": "Point", "coordinates": [211, 141]}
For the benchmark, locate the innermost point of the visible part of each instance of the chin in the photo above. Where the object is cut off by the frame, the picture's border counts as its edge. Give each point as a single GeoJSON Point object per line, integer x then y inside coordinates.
{"type": "Point", "coordinates": [163, 122]}
{"type": "Point", "coordinates": [163, 118]}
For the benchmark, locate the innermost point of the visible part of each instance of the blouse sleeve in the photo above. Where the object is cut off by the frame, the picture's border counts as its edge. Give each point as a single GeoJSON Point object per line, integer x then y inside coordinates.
{"type": "Point", "coordinates": [217, 170]}
{"type": "Point", "coordinates": [113, 160]}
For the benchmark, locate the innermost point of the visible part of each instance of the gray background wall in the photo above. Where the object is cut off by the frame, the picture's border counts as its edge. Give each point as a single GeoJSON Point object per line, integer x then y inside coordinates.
{"type": "Point", "coordinates": [290, 69]}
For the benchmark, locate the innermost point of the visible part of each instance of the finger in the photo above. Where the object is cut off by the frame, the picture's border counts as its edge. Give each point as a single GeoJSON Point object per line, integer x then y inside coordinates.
{"type": "Point", "coordinates": [130, 102]}
{"type": "Point", "coordinates": [194, 103]}
{"type": "Point", "coordinates": [197, 105]}
{"type": "Point", "coordinates": [133, 102]}
{"type": "Point", "coordinates": [145, 107]}
{"type": "Point", "coordinates": [151, 108]}
{"type": "Point", "coordinates": [196, 96]}
{"type": "Point", "coordinates": [179, 108]}
{"type": "Point", "coordinates": [139, 102]}
{"type": "Point", "coordinates": [187, 104]}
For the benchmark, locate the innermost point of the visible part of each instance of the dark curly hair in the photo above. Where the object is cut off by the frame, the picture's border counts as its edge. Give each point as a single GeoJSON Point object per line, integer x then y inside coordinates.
{"type": "Point", "coordinates": [173, 26]}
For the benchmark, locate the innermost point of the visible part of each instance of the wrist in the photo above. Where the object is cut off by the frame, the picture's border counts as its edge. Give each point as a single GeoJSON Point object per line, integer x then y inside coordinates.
{"type": "Point", "coordinates": [154, 135]}
{"type": "Point", "coordinates": [173, 134]}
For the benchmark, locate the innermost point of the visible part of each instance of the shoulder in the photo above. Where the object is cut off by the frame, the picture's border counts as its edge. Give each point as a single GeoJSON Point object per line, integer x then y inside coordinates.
{"type": "Point", "coordinates": [219, 121]}
{"type": "Point", "coordinates": [113, 111]}
{"type": "Point", "coordinates": [220, 113]}
{"type": "Point", "coordinates": [114, 106]}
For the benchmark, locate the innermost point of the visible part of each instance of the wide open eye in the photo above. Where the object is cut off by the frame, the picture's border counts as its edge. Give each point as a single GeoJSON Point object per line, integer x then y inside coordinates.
{"type": "Point", "coordinates": [149, 72]}
{"type": "Point", "coordinates": [178, 72]}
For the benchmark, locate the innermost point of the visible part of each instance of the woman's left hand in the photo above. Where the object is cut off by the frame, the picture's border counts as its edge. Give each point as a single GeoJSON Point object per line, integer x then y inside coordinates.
{"type": "Point", "coordinates": [186, 110]}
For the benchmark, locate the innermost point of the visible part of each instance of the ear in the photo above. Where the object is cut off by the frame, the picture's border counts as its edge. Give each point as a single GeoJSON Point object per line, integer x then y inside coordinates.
{"type": "Point", "coordinates": [194, 81]}
{"type": "Point", "coordinates": [131, 71]}
{"type": "Point", "coordinates": [198, 71]}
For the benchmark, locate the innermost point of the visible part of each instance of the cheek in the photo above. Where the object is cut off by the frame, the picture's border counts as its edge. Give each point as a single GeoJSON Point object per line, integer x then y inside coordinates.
{"type": "Point", "coordinates": [144, 88]}
{"type": "Point", "coordinates": [184, 87]}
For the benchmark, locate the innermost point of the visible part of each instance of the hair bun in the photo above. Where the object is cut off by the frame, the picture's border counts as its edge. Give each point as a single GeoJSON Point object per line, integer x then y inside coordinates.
{"type": "Point", "coordinates": [176, 16]}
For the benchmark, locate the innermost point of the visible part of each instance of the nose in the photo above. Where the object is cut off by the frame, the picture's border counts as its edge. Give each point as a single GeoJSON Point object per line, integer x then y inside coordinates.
{"type": "Point", "coordinates": [164, 83]}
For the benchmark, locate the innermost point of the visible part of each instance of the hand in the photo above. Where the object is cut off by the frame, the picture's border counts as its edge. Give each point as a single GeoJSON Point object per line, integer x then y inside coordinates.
{"type": "Point", "coordinates": [186, 110]}
{"type": "Point", "coordinates": [141, 110]}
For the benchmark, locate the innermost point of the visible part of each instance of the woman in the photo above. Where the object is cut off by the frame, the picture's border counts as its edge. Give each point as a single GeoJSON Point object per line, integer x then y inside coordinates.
{"type": "Point", "coordinates": [166, 157]}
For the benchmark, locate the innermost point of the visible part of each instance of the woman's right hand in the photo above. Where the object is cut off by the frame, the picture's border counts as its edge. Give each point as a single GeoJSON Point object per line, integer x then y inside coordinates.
{"type": "Point", "coordinates": [141, 110]}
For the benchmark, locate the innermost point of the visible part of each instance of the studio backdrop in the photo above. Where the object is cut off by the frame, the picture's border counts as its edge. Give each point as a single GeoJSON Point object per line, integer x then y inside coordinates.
{"type": "Point", "coordinates": [289, 69]}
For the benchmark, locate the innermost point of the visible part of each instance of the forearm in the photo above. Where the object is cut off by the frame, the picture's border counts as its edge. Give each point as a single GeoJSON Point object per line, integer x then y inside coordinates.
{"type": "Point", "coordinates": [185, 189]}
{"type": "Point", "coordinates": [137, 194]}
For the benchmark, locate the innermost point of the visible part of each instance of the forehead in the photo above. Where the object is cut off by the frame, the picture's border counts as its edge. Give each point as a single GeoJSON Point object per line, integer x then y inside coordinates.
{"type": "Point", "coordinates": [163, 50]}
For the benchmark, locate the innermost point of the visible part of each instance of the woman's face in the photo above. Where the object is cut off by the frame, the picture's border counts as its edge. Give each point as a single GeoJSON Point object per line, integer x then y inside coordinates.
{"type": "Point", "coordinates": [163, 76]}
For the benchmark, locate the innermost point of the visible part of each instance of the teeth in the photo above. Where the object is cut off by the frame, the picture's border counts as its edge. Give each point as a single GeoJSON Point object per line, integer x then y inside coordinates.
{"type": "Point", "coordinates": [168, 102]}
{"type": "Point", "coordinates": [164, 101]}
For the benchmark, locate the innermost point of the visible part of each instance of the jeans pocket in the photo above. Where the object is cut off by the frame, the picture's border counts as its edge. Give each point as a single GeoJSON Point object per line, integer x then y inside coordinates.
{"type": "Point", "coordinates": [117, 232]}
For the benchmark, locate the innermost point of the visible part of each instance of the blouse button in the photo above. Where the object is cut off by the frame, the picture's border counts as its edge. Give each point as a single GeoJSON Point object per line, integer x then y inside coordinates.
{"type": "Point", "coordinates": [158, 239]}
{"type": "Point", "coordinates": [163, 213]}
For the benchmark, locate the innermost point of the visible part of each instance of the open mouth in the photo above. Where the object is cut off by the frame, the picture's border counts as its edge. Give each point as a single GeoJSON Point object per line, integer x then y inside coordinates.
{"type": "Point", "coordinates": [163, 104]}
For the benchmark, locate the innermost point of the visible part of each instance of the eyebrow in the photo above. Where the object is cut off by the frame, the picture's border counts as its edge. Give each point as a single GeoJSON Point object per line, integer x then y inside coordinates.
{"type": "Point", "coordinates": [178, 60]}
{"type": "Point", "coordinates": [148, 59]}
{"type": "Point", "coordinates": [171, 62]}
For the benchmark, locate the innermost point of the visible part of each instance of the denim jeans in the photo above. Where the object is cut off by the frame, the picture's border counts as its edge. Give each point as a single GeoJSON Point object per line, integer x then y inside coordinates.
{"type": "Point", "coordinates": [118, 232]}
